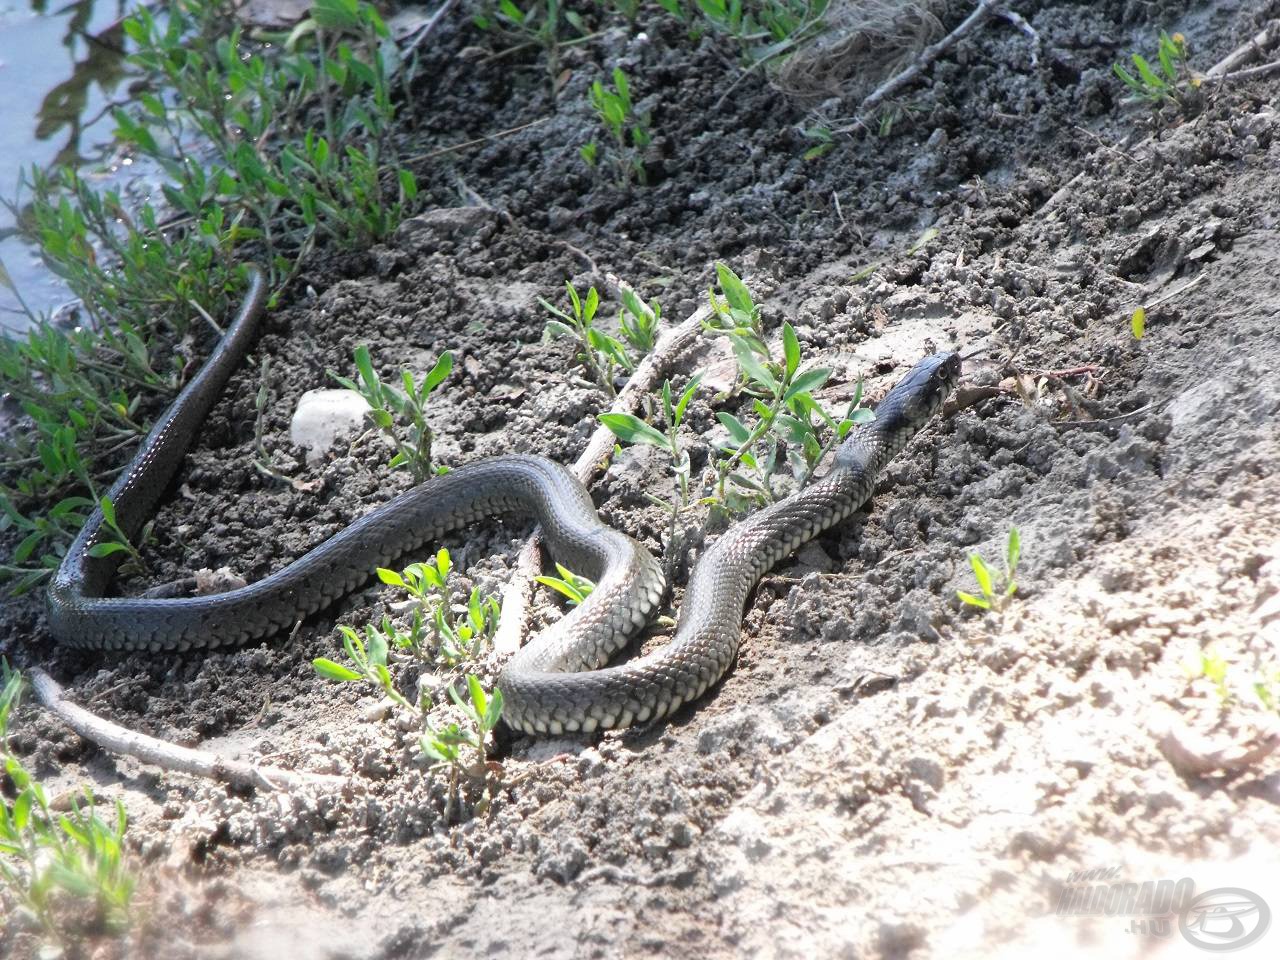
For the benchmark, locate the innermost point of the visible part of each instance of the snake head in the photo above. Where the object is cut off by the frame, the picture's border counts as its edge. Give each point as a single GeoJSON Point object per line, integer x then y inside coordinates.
{"type": "Point", "coordinates": [920, 394]}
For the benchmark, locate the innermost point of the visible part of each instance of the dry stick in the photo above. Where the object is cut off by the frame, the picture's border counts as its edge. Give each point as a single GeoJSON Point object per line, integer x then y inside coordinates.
{"type": "Point", "coordinates": [1221, 70]}
{"type": "Point", "coordinates": [428, 27]}
{"type": "Point", "coordinates": [454, 148]}
{"type": "Point", "coordinates": [1259, 71]}
{"type": "Point", "coordinates": [1262, 40]}
{"type": "Point", "coordinates": [117, 739]}
{"type": "Point", "coordinates": [1021, 23]}
{"type": "Point", "coordinates": [929, 54]}
{"type": "Point", "coordinates": [519, 592]}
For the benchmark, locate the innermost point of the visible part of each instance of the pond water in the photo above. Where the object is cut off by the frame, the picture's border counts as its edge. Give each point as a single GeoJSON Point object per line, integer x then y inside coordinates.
{"type": "Point", "coordinates": [60, 67]}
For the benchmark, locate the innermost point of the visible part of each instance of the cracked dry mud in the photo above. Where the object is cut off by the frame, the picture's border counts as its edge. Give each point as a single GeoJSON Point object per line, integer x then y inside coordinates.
{"type": "Point", "coordinates": [883, 773]}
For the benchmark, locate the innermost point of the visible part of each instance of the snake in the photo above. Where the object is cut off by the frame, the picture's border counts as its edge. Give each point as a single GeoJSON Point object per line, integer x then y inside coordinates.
{"type": "Point", "coordinates": [557, 683]}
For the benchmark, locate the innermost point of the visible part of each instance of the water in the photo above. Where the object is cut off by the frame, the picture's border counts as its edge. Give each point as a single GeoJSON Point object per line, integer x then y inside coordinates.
{"type": "Point", "coordinates": [60, 68]}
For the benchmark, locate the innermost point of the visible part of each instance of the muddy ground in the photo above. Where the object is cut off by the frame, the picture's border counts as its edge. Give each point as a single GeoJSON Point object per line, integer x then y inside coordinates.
{"type": "Point", "coordinates": [883, 772]}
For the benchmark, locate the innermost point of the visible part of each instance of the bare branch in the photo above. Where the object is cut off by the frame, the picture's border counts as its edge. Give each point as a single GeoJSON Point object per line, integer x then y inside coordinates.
{"type": "Point", "coordinates": [117, 739]}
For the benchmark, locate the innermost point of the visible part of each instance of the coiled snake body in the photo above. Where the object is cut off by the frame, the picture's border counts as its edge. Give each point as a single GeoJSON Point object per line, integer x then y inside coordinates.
{"type": "Point", "coordinates": [556, 683]}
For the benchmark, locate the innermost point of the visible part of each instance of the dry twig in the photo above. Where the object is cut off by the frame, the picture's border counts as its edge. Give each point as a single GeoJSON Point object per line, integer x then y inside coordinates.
{"type": "Point", "coordinates": [117, 739]}
{"type": "Point", "coordinates": [917, 66]}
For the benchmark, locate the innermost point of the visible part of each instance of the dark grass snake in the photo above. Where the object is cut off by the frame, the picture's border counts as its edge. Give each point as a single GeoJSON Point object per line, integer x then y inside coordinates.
{"type": "Point", "coordinates": [558, 682]}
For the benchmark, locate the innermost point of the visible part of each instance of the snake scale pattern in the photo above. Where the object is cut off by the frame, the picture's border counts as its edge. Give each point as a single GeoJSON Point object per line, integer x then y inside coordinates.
{"type": "Point", "coordinates": [558, 682]}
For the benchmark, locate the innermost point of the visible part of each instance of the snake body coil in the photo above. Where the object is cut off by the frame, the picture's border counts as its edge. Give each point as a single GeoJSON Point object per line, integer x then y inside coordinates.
{"type": "Point", "coordinates": [558, 682]}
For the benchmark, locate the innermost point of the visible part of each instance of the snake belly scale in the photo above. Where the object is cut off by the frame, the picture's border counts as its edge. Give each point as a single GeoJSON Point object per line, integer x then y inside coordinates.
{"type": "Point", "coordinates": [557, 683]}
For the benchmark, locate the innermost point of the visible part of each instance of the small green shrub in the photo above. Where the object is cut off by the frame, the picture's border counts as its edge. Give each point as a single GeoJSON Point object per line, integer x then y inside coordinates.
{"type": "Point", "coordinates": [46, 857]}
{"type": "Point", "coordinates": [601, 354]}
{"type": "Point", "coordinates": [1169, 82]}
{"type": "Point", "coordinates": [628, 130]}
{"type": "Point", "coordinates": [783, 408]}
{"type": "Point", "coordinates": [996, 590]}
{"type": "Point", "coordinates": [405, 405]}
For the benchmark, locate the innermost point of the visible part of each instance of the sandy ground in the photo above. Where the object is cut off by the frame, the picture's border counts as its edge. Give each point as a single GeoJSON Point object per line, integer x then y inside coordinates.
{"type": "Point", "coordinates": [884, 772]}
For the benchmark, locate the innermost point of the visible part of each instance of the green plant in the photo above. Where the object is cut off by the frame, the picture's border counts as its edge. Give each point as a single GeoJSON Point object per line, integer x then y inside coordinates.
{"type": "Point", "coordinates": [575, 588]}
{"type": "Point", "coordinates": [782, 403]}
{"type": "Point", "coordinates": [1169, 81]}
{"type": "Point", "coordinates": [324, 181]}
{"type": "Point", "coordinates": [766, 29]}
{"type": "Point", "coordinates": [388, 403]}
{"type": "Point", "coordinates": [1261, 687]}
{"type": "Point", "coordinates": [46, 855]}
{"type": "Point", "coordinates": [481, 711]}
{"type": "Point", "coordinates": [116, 540]}
{"type": "Point", "coordinates": [369, 654]}
{"type": "Point", "coordinates": [539, 24]}
{"type": "Point", "coordinates": [996, 589]}
{"type": "Point", "coordinates": [446, 746]}
{"type": "Point", "coordinates": [274, 182]}
{"type": "Point", "coordinates": [628, 130]}
{"type": "Point", "coordinates": [459, 635]}
{"type": "Point", "coordinates": [639, 321]}
{"type": "Point", "coordinates": [601, 354]}
{"type": "Point", "coordinates": [823, 142]}
{"type": "Point", "coordinates": [629, 428]}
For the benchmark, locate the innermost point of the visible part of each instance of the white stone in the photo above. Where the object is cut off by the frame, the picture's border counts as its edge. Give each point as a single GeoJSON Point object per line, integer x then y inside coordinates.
{"type": "Point", "coordinates": [323, 417]}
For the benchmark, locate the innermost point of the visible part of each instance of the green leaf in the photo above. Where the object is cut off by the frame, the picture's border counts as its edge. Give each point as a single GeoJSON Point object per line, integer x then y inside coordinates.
{"type": "Point", "coordinates": [1138, 323]}
{"type": "Point", "coordinates": [108, 511]}
{"type": "Point", "coordinates": [107, 549]}
{"type": "Point", "coordinates": [22, 809]}
{"type": "Point", "coordinates": [685, 398]}
{"type": "Point", "coordinates": [982, 574]}
{"type": "Point", "coordinates": [790, 349]}
{"type": "Point", "coordinates": [1129, 80]}
{"type": "Point", "coordinates": [554, 329]}
{"type": "Point", "coordinates": [478, 698]}
{"type": "Point", "coordinates": [364, 364]}
{"type": "Point", "coordinates": [973, 601]}
{"type": "Point", "coordinates": [1166, 58]}
{"type": "Point", "coordinates": [738, 432]}
{"type": "Point", "coordinates": [333, 671]}
{"type": "Point", "coordinates": [751, 365]}
{"type": "Point", "coordinates": [444, 563]}
{"type": "Point", "coordinates": [377, 646]}
{"type": "Point", "coordinates": [493, 712]}
{"type": "Point", "coordinates": [390, 577]}
{"type": "Point", "coordinates": [28, 546]}
{"type": "Point", "coordinates": [789, 428]}
{"type": "Point", "coordinates": [562, 587]}
{"type": "Point", "coordinates": [337, 14]}
{"type": "Point", "coordinates": [631, 429]}
{"type": "Point", "coordinates": [408, 184]}
{"type": "Point", "coordinates": [442, 369]}
{"type": "Point", "coordinates": [1014, 551]}
{"type": "Point", "coordinates": [734, 290]}
{"type": "Point", "coordinates": [807, 381]}
{"type": "Point", "coordinates": [1148, 75]}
